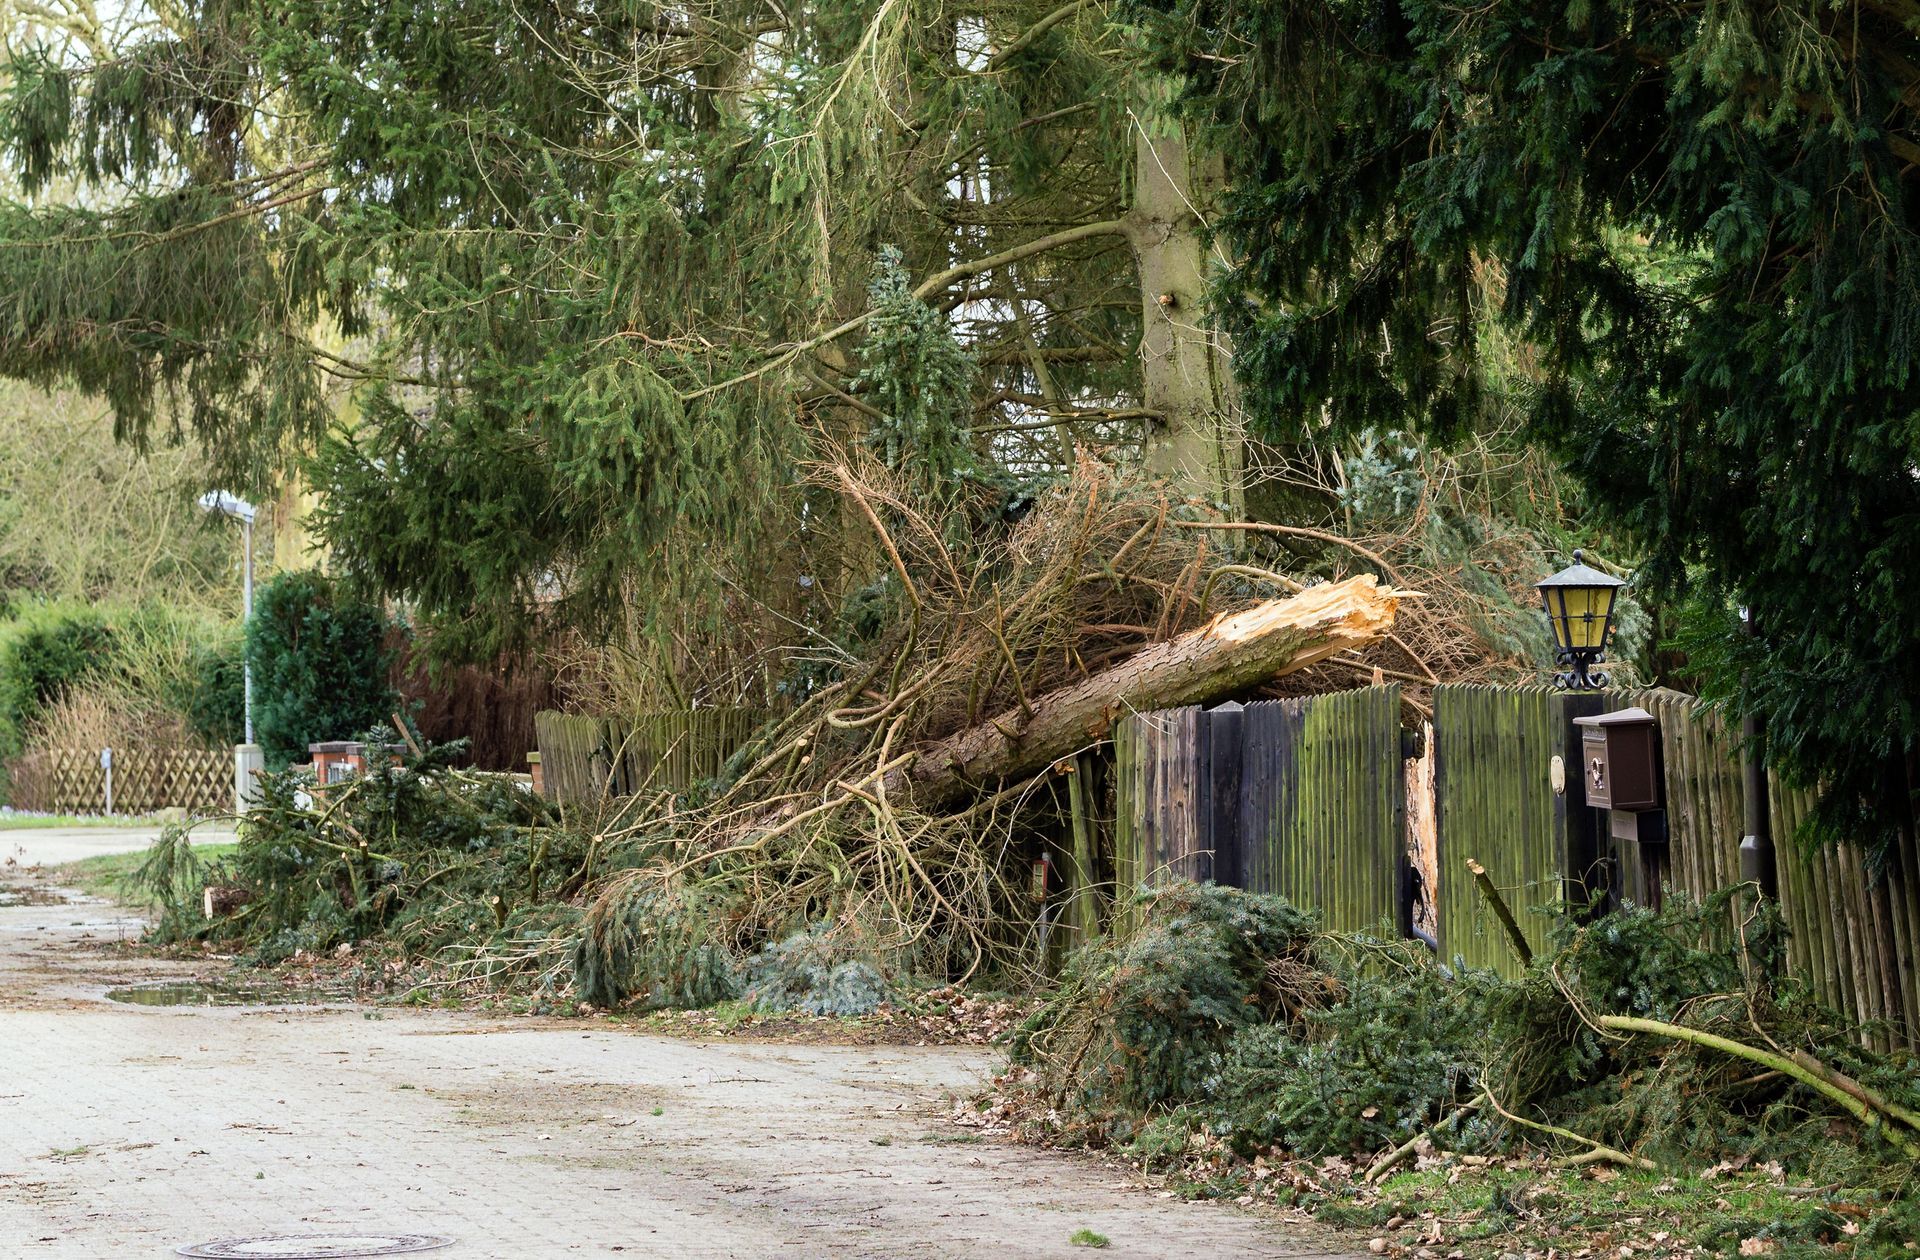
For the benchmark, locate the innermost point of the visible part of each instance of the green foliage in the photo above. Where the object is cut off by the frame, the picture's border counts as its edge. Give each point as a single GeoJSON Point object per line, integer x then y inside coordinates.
{"type": "Point", "coordinates": [815, 971]}
{"type": "Point", "coordinates": [657, 945]}
{"type": "Point", "coordinates": [1682, 244]}
{"type": "Point", "coordinates": [319, 665]}
{"type": "Point", "coordinates": [921, 380]}
{"type": "Point", "coordinates": [45, 649]}
{"type": "Point", "coordinates": [211, 694]}
{"type": "Point", "coordinates": [170, 878]}
{"type": "Point", "coordinates": [579, 319]}
{"type": "Point", "coordinates": [1318, 1044]}
{"type": "Point", "coordinates": [1362, 1073]}
{"type": "Point", "coordinates": [1135, 1025]}
{"type": "Point", "coordinates": [1381, 480]}
{"type": "Point", "coordinates": [434, 859]}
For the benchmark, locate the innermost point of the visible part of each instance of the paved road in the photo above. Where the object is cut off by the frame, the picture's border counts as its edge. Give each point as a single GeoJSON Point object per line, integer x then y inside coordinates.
{"type": "Point", "coordinates": [51, 846]}
{"type": "Point", "coordinates": [126, 1131]}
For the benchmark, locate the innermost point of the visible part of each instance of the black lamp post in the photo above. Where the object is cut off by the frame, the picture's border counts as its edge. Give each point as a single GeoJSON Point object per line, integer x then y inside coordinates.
{"type": "Point", "coordinates": [1579, 602]}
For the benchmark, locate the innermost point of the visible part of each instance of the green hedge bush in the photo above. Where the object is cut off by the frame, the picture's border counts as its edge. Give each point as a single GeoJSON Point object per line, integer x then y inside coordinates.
{"type": "Point", "coordinates": [44, 649]}
{"type": "Point", "coordinates": [319, 665]}
{"type": "Point", "coordinates": [211, 695]}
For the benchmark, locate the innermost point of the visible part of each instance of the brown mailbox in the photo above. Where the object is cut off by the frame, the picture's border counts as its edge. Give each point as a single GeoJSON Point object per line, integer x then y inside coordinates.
{"type": "Point", "coordinates": [1620, 760]}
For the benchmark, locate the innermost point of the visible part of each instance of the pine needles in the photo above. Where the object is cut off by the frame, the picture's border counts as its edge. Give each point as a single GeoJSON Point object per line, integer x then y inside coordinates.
{"type": "Point", "coordinates": [1369, 1047]}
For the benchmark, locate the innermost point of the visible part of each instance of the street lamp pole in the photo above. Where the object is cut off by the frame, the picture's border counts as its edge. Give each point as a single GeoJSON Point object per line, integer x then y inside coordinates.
{"type": "Point", "coordinates": [247, 760]}
{"type": "Point", "coordinates": [246, 619]}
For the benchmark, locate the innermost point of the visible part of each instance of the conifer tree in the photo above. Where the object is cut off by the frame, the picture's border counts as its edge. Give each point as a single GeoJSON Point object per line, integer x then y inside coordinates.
{"type": "Point", "coordinates": [596, 280]}
{"type": "Point", "coordinates": [1681, 237]}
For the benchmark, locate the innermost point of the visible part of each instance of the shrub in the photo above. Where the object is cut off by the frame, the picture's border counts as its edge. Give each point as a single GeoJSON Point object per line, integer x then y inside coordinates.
{"type": "Point", "coordinates": [44, 650]}
{"type": "Point", "coordinates": [816, 971]}
{"type": "Point", "coordinates": [210, 693]}
{"type": "Point", "coordinates": [1137, 1025]}
{"type": "Point", "coordinates": [319, 665]}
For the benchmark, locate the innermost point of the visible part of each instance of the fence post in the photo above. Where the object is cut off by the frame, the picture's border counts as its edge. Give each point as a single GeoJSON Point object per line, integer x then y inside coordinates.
{"type": "Point", "coordinates": [1588, 865]}
{"type": "Point", "coordinates": [1219, 754]}
{"type": "Point", "coordinates": [249, 761]}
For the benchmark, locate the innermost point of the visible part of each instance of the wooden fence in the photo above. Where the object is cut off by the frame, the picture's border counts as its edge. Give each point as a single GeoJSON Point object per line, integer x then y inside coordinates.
{"type": "Point", "coordinates": [586, 758]}
{"type": "Point", "coordinates": [71, 780]}
{"type": "Point", "coordinates": [1301, 797]}
{"type": "Point", "coordinates": [1854, 931]}
{"type": "Point", "coordinates": [1309, 798]}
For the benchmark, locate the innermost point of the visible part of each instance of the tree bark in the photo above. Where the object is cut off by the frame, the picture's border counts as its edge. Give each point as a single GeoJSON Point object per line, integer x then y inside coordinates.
{"type": "Point", "coordinates": [1227, 655]}
{"type": "Point", "coordinates": [1186, 370]}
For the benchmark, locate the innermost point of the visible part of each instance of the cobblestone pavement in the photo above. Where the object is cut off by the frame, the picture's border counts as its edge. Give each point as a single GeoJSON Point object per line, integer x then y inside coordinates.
{"type": "Point", "coordinates": [126, 1131]}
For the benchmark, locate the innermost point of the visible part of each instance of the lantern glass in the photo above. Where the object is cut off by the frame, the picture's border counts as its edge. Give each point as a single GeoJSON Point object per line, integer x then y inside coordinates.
{"type": "Point", "coordinates": [1579, 615]}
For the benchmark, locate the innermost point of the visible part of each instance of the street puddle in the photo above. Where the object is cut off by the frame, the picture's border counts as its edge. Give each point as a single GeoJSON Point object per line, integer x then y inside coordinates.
{"type": "Point", "coordinates": [35, 895]}
{"type": "Point", "coordinates": [219, 993]}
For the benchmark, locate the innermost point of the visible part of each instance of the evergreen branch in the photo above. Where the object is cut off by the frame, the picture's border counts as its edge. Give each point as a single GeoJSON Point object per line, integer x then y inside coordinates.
{"type": "Point", "coordinates": [1034, 32]}
{"type": "Point", "coordinates": [1858, 1107]}
{"type": "Point", "coordinates": [933, 284]}
{"type": "Point", "coordinates": [148, 238]}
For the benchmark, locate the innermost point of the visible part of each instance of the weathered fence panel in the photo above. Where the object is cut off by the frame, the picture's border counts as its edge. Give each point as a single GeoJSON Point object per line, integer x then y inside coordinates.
{"type": "Point", "coordinates": [1300, 797]}
{"type": "Point", "coordinates": [71, 780]}
{"type": "Point", "coordinates": [1158, 830]}
{"type": "Point", "coordinates": [1494, 802]}
{"type": "Point", "coordinates": [586, 758]}
{"type": "Point", "coordinates": [1323, 805]}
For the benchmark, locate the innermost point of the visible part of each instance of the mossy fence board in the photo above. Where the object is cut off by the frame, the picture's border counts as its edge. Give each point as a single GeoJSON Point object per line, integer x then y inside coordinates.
{"type": "Point", "coordinates": [1494, 803]}
{"type": "Point", "coordinates": [587, 758]}
{"type": "Point", "coordinates": [1301, 797]}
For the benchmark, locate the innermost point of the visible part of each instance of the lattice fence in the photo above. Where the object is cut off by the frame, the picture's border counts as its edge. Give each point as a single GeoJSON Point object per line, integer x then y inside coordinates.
{"type": "Point", "coordinates": [71, 780]}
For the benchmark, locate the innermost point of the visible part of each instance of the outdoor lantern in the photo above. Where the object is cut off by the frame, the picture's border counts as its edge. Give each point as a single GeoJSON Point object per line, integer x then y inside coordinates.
{"type": "Point", "coordinates": [1579, 603]}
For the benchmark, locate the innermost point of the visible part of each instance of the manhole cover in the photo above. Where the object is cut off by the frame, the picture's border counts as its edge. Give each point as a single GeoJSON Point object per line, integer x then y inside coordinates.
{"type": "Point", "coordinates": [315, 1246]}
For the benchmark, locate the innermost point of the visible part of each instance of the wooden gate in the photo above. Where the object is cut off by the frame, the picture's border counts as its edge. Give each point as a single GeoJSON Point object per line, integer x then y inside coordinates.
{"type": "Point", "coordinates": [1495, 803]}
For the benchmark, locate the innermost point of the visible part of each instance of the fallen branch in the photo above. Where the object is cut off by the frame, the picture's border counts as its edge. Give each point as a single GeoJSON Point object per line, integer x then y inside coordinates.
{"type": "Point", "coordinates": [1874, 1118]}
{"type": "Point", "coordinates": [1501, 912]}
{"type": "Point", "coordinates": [1599, 1151]}
{"type": "Point", "coordinates": [1386, 1162]}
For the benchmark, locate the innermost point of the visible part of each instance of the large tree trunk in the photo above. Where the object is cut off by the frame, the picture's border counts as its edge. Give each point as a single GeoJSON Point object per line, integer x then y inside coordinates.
{"type": "Point", "coordinates": [1186, 372]}
{"type": "Point", "coordinates": [1227, 655]}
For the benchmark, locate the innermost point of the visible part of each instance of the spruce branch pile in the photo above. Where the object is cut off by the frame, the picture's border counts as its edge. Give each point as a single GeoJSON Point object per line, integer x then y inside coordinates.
{"type": "Point", "coordinates": [464, 868]}
{"type": "Point", "coordinates": [1642, 1039]}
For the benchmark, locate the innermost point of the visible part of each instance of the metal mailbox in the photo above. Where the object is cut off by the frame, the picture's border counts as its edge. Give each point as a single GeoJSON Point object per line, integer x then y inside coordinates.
{"type": "Point", "coordinates": [1620, 760]}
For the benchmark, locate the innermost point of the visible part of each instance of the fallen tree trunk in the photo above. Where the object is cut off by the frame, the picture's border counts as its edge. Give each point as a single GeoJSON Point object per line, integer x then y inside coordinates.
{"type": "Point", "coordinates": [1227, 655]}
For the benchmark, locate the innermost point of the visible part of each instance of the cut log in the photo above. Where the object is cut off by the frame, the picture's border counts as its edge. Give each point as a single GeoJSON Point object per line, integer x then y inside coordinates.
{"type": "Point", "coordinates": [221, 900]}
{"type": "Point", "coordinates": [1226, 656]}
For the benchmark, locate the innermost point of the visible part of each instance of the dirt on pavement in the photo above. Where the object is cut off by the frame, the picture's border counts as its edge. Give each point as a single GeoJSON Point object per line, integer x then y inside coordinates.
{"type": "Point", "coordinates": [127, 1131]}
